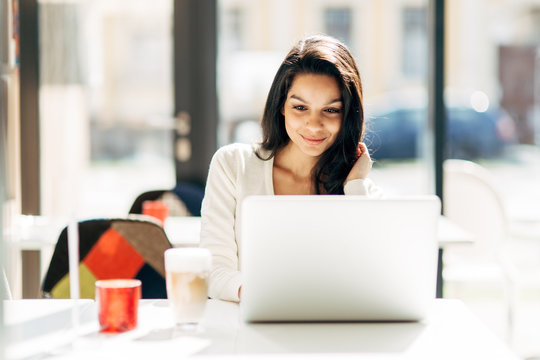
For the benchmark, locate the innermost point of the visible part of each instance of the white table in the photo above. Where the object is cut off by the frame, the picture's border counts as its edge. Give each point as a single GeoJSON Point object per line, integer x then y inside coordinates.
{"type": "Point", "coordinates": [523, 212]}
{"type": "Point", "coordinates": [185, 231]}
{"type": "Point", "coordinates": [449, 233]}
{"type": "Point", "coordinates": [35, 237]}
{"type": "Point", "coordinates": [449, 332]}
{"type": "Point", "coordinates": [32, 239]}
{"type": "Point", "coordinates": [525, 227]}
{"type": "Point", "coordinates": [35, 326]}
{"type": "Point", "coordinates": [30, 244]}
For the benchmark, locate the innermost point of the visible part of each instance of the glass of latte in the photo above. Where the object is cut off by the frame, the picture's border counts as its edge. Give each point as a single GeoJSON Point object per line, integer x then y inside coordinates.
{"type": "Point", "coordinates": [187, 271]}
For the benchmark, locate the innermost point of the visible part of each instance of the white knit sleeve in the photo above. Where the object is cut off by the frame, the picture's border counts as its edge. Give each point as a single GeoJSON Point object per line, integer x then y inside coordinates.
{"type": "Point", "coordinates": [362, 187]}
{"type": "Point", "coordinates": [218, 224]}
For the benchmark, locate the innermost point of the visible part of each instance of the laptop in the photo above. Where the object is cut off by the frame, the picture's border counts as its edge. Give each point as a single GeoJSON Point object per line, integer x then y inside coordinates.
{"type": "Point", "coordinates": [338, 258]}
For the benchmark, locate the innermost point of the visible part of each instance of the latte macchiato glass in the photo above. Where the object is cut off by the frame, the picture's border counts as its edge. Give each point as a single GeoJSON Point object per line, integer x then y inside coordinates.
{"type": "Point", "coordinates": [187, 271]}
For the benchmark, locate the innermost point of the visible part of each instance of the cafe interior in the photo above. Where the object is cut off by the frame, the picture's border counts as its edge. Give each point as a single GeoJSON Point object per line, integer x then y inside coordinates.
{"type": "Point", "coordinates": [111, 111]}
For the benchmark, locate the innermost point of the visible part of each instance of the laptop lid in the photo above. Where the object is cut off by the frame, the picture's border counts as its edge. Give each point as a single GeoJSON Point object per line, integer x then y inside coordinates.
{"type": "Point", "coordinates": [338, 258]}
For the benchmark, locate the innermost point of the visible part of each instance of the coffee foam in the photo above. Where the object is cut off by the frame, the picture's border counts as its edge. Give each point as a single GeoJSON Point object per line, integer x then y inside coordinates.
{"type": "Point", "coordinates": [188, 260]}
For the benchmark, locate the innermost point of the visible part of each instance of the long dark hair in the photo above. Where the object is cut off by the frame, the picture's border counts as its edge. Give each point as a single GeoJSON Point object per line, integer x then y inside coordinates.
{"type": "Point", "coordinates": [319, 54]}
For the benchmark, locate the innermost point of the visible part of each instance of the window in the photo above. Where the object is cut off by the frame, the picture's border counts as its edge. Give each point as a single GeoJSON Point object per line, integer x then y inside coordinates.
{"type": "Point", "coordinates": [106, 104]}
{"type": "Point", "coordinates": [414, 45]}
{"type": "Point", "coordinates": [338, 23]}
{"type": "Point", "coordinates": [245, 76]}
{"type": "Point", "coordinates": [232, 29]}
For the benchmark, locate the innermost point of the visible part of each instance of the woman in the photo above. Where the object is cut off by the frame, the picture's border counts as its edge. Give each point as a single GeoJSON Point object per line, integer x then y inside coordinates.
{"type": "Point", "coordinates": [312, 126]}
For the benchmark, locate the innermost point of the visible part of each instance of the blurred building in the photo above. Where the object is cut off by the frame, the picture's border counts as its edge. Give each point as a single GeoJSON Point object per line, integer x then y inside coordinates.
{"type": "Point", "coordinates": [107, 69]}
{"type": "Point", "coordinates": [389, 41]}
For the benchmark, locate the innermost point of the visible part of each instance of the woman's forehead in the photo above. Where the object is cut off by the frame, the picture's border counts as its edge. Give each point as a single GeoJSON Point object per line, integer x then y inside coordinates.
{"type": "Point", "coordinates": [315, 88]}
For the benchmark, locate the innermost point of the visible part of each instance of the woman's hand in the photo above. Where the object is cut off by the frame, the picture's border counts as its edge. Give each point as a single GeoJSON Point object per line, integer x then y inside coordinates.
{"type": "Point", "coordinates": [362, 165]}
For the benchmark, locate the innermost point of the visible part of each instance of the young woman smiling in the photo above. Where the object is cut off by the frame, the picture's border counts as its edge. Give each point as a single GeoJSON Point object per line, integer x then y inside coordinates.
{"type": "Point", "coordinates": [313, 125]}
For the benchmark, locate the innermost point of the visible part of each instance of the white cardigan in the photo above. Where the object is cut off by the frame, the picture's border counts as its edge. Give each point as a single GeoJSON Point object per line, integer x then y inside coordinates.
{"type": "Point", "coordinates": [236, 172]}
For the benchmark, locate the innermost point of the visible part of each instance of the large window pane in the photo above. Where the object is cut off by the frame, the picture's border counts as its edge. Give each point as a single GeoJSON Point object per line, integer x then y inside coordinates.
{"type": "Point", "coordinates": [492, 90]}
{"type": "Point", "coordinates": [414, 45]}
{"type": "Point", "coordinates": [338, 23]}
{"type": "Point", "coordinates": [493, 77]}
{"type": "Point", "coordinates": [105, 104]}
{"type": "Point", "coordinates": [493, 71]}
{"type": "Point", "coordinates": [389, 41]}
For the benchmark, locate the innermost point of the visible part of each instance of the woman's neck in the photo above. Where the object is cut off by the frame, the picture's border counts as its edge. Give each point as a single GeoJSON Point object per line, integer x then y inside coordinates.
{"type": "Point", "coordinates": [298, 164]}
{"type": "Point", "coordinates": [293, 172]}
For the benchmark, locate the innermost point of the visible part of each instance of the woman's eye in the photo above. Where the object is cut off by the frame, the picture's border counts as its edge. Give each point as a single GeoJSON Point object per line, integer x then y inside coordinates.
{"type": "Point", "coordinates": [333, 111]}
{"type": "Point", "coordinates": [299, 107]}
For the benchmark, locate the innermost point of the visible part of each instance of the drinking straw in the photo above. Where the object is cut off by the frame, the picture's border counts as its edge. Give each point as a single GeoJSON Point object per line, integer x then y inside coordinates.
{"type": "Point", "coordinates": [73, 256]}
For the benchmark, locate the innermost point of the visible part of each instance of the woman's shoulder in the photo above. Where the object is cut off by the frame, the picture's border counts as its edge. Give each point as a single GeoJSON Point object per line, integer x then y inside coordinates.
{"type": "Point", "coordinates": [238, 152]}
{"type": "Point", "coordinates": [236, 149]}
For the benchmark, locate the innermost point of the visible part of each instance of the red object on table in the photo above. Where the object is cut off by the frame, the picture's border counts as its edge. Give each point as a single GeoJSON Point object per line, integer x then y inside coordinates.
{"type": "Point", "coordinates": [156, 209]}
{"type": "Point", "coordinates": [118, 302]}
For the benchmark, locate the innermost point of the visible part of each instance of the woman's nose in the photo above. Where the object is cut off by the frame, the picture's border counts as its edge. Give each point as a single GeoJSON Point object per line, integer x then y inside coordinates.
{"type": "Point", "coordinates": [313, 121]}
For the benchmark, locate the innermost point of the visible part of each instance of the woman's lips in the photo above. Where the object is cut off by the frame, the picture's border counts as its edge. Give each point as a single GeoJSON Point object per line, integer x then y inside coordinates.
{"type": "Point", "coordinates": [313, 140]}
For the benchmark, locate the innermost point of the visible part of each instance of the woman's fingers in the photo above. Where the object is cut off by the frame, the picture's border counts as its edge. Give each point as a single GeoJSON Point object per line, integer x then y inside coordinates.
{"type": "Point", "coordinates": [362, 164]}
{"type": "Point", "coordinates": [361, 149]}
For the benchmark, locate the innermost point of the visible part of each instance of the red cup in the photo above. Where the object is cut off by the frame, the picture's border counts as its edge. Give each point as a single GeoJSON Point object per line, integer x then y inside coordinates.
{"type": "Point", "coordinates": [156, 209]}
{"type": "Point", "coordinates": [118, 302]}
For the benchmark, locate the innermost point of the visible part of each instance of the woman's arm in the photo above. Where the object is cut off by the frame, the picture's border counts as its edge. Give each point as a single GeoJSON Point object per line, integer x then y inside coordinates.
{"type": "Point", "coordinates": [217, 226]}
{"type": "Point", "coordinates": [362, 165]}
{"type": "Point", "coordinates": [357, 182]}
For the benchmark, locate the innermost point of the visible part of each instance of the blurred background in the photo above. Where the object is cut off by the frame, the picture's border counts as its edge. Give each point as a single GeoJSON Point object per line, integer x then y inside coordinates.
{"type": "Point", "coordinates": [106, 83]}
{"type": "Point", "coordinates": [110, 75]}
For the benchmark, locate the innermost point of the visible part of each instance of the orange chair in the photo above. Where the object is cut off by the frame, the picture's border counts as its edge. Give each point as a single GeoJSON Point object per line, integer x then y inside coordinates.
{"type": "Point", "coordinates": [109, 249]}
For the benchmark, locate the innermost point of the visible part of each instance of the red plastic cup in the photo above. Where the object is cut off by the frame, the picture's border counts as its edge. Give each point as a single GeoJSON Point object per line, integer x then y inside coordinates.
{"type": "Point", "coordinates": [157, 209]}
{"type": "Point", "coordinates": [118, 302]}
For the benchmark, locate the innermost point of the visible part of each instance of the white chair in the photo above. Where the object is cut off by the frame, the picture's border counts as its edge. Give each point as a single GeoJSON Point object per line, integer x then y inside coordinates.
{"type": "Point", "coordinates": [472, 201]}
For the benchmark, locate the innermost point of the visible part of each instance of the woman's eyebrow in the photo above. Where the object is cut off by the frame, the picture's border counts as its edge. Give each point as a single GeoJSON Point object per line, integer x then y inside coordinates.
{"type": "Point", "coordinates": [334, 101]}
{"type": "Point", "coordinates": [296, 97]}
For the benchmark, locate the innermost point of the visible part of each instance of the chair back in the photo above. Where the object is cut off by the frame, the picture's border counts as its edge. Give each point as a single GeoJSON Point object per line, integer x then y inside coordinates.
{"type": "Point", "coordinates": [184, 199]}
{"type": "Point", "coordinates": [110, 249]}
{"type": "Point", "coordinates": [191, 195]}
{"type": "Point", "coordinates": [472, 202]}
{"type": "Point", "coordinates": [137, 206]}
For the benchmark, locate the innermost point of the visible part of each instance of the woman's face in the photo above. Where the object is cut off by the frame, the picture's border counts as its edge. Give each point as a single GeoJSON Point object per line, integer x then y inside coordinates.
{"type": "Point", "coordinates": [313, 113]}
